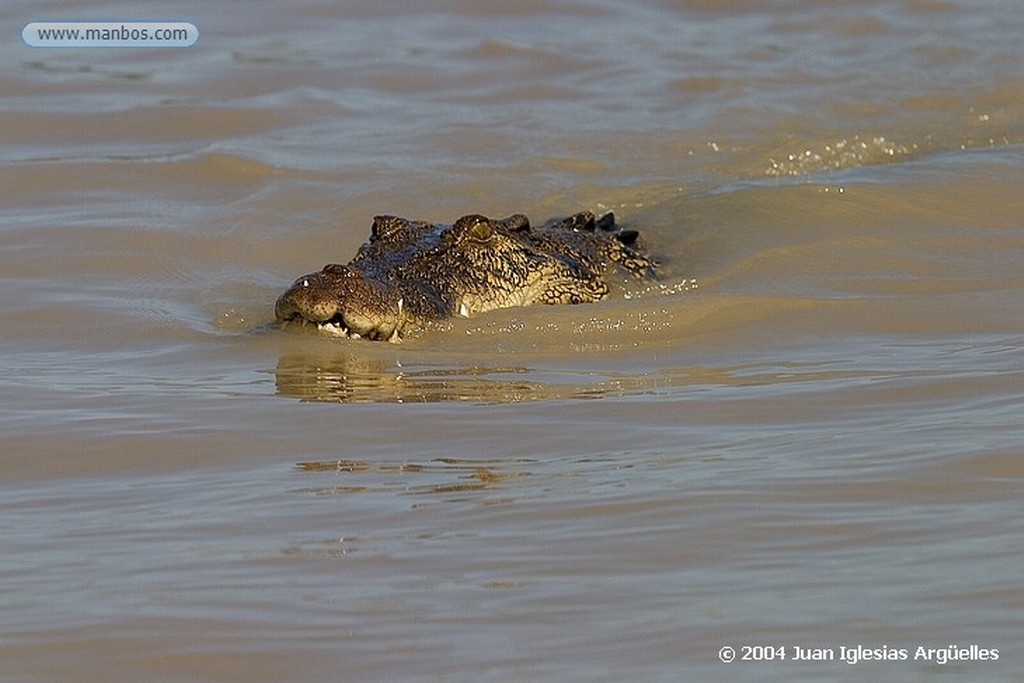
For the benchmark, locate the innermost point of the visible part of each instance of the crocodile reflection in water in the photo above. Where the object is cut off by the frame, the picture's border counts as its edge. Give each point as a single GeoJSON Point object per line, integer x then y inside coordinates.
{"type": "Point", "coordinates": [334, 375]}
{"type": "Point", "coordinates": [412, 272]}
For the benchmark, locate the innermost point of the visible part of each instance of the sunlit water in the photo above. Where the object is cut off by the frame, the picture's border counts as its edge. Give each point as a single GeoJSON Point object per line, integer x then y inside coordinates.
{"type": "Point", "coordinates": [807, 434]}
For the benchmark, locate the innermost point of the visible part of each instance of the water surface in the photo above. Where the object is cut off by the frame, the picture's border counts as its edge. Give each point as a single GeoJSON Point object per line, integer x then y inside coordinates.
{"type": "Point", "coordinates": [806, 434]}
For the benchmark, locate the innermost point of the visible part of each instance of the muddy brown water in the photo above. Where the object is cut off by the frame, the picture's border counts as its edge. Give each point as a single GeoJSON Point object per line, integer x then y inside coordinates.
{"type": "Point", "coordinates": [806, 437]}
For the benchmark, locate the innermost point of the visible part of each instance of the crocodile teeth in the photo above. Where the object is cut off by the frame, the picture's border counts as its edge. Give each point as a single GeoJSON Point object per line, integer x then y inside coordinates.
{"type": "Point", "coordinates": [334, 328]}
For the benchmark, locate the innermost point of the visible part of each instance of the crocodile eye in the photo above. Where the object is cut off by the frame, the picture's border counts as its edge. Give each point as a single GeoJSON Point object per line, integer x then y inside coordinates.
{"type": "Point", "coordinates": [480, 230]}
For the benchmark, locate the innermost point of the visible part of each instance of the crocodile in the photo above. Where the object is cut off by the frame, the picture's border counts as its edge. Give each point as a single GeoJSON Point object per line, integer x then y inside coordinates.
{"type": "Point", "coordinates": [411, 272]}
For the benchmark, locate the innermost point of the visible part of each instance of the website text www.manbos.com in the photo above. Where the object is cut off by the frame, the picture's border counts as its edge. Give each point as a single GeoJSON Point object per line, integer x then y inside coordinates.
{"type": "Point", "coordinates": [110, 34]}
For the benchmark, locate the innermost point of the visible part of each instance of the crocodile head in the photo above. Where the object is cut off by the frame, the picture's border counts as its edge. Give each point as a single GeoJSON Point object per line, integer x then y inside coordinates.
{"type": "Point", "coordinates": [413, 272]}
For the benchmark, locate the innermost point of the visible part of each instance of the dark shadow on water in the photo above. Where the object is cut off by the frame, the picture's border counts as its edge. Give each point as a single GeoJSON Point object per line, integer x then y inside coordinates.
{"type": "Point", "coordinates": [446, 476]}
